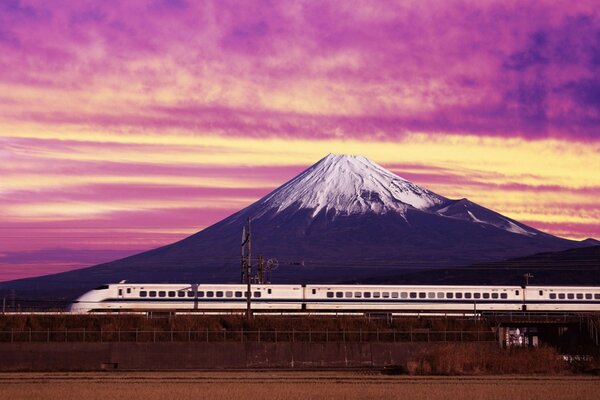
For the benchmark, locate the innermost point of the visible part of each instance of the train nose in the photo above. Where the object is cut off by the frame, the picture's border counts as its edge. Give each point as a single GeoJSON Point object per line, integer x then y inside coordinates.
{"type": "Point", "coordinates": [81, 305]}
{"type": "Point", "coordinates": [76, 307]}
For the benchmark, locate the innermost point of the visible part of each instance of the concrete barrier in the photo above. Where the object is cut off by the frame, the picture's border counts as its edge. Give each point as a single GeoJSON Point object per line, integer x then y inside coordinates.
{"type": "Point", "coordinates": [217, 356]}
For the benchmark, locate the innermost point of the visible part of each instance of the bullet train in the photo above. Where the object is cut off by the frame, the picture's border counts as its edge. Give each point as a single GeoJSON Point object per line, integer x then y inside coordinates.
{"type": "Point", "coordinates": [140, 297]}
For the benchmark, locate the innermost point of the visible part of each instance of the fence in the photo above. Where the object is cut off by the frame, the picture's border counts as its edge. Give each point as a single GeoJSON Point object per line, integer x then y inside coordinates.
{"type": "Point", "coordinates": [83, 335]}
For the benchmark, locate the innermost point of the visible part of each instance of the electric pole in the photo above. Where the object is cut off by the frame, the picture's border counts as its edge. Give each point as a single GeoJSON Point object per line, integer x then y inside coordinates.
{"type": "Point", "coordinates": [247, 265]}
{"type": "Point", "coordinates": [526, 277]}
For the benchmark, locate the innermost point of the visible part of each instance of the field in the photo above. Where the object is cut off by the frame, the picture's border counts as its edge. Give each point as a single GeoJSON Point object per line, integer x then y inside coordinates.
{"type": "Point", "coordinates": [289, 385]}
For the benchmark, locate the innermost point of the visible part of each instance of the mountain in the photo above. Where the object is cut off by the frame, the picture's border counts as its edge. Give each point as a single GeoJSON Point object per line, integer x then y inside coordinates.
{"type": "Point", "coordinates": [344, 218]}
{"type": "Point", "coordinates": [580, 266]}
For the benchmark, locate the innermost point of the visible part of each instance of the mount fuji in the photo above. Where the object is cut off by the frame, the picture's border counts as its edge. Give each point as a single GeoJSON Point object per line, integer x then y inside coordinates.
{"type": "Point", "coordinates": [345, 219]}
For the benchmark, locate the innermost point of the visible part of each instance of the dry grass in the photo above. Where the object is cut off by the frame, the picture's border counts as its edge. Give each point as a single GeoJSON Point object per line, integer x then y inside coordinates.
{"type": "Point", "coordinates": [288, 386]}
{"type": "Point", "coordinates": [474, 358]}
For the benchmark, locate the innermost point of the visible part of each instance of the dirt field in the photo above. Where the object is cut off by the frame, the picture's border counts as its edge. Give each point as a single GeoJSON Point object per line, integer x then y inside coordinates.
{"type": "Point", "coordinates": [288, 385]}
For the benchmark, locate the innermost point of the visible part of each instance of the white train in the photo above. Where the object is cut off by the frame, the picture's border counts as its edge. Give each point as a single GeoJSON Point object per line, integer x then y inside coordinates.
{"type": "Point", "coordinates": [336, 298]}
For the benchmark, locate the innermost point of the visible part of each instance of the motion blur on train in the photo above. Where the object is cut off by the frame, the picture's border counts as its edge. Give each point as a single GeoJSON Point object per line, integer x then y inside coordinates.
{"type": "Point", "coordinates": [278, 298]}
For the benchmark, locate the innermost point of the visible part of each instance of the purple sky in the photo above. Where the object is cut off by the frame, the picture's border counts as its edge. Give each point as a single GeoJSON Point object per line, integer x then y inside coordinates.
{"type": "Point", "coordinates": [140, 122]}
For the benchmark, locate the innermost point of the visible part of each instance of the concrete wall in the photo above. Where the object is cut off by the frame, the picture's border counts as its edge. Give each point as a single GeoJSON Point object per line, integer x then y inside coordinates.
{"type": "Point", "coordinates": [170, 356]}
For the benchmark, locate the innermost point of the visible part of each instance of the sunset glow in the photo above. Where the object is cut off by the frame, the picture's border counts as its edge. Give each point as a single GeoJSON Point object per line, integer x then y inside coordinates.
{"type": "Point", "coordinates": [129, 125]}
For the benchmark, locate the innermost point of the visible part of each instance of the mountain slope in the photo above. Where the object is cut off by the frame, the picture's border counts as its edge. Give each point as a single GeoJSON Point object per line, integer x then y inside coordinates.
{"type": "Point", "coordinates": [345, 217]}
{"type": "Point", "coordinates": [580, 266]}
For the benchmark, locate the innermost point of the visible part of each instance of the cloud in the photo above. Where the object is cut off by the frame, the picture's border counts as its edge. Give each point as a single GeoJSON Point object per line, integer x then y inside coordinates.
{"type": "Point", "coordinates": [310, 69]}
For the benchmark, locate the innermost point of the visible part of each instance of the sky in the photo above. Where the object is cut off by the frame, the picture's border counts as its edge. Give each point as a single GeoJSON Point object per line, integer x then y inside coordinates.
{"type": "Point", "coordinates": [127, 125]}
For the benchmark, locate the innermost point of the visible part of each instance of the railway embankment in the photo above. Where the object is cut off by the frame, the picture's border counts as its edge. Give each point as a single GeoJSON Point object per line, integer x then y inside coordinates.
{"type": "Point", "coordinates": [409, 358]}
{"type": "Point", "coordinates": [433, 345]}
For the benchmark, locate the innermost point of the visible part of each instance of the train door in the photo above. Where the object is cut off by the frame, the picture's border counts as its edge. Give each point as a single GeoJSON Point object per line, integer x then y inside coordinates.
{"type": "Point", "coordinates": [304, 289]}
{"type": "Point", "coordinates": [120, 295]}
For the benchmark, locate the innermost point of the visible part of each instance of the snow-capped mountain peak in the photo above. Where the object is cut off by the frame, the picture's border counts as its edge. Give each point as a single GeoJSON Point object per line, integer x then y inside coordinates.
{"type": "Point", "coordinates": [345, 185]}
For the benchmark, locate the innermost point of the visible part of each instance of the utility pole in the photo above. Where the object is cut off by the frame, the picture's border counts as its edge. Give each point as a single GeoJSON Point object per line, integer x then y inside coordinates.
{"type": "Point", "coordinates": [247, 265]}
{"type": "Point", "coordinates": [249, 273]}
{"type": "Point", "coordinates": [526, 277]}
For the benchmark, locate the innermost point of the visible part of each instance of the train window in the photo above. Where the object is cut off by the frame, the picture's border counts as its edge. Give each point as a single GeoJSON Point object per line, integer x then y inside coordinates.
{"type": "Point", "coordinates": [376, 295]}
{"type": "Point", "coordinates": [210, 294]}
{"type": "Point", "coordinates": [238, 294]}
{"type": "Point", "coordinates": [431, 295]}
{"type": "Point", "coordinates": [330, 294]}
{"type": "Point", "coordinates": [570, 296]}
{"type": "Point", "coordinates": [541, 293]}
{"type": "Point", "coordinates": [128, 290]}
{"type": "Point", "coordinates": [596, 296]}
{"type": "Point", "coordinates": [440, 295]}
{"type": "Point", "coordinates": [579, 296]}
{"type": "Point", "coordinates": [120, 292]}
{"type": "Point", "coordinates": [476, 295]}
{"type": "Point", "coordinates": [413, 295]}
{"type": "Point", "coordinates": [143, 293]}
{"type": "Point", "coordinates": [367, 295]}
{"type": "Point", "coordinates": [561, 296]}
{"type": "Point", "coordinates": [449, 295]}
{"type": "Point", "coordinates": [269, 291]}
{"type": "Point", "coordinates": [358, 294]}
{"type": "Point", "coordinates": [180, 294]}
{"type": "Point", "coordinates": [552, 296]}
{"type": "Point", "coordinates": [190, 294]}
{"type": "Point", "coordinates": [459, 295]}
{"type": "Point", "coordinates": [422, 295]}
{"type": "Point", "coordinates": [314, 291]}
{"type": "Point", "coordinates": [385, 295]}
{"type": "Point", "coordinates": [219, 294]}
{"type": "Point", "coordinates": [403, 295]}
{"type": "Point", "coordinates": [162, 293]}
{"type": "Point", "coordinates": [103, 287]}
{"type": "Point", "coordinates": [517, 292]}
{"type": "Point", "coordinates": [229, 293]}
{"type": "Point", "coordinates": [257, 294]}
{"type": "Point", "coordinates": [152, 293]}
{"type": "Point", "coordinates": [588, 296]}
{"type": "Point", "coordinates": [504, 295]}
{"type": "Point", "coordinates": [349, 294]}
{"type": "Point", "coordinates": [339, 294]}
{"type": "Point", "coordinates": [394, 295]}
{"type": "Point", "coordinates": [494, 295]}
{"type": "Point", "coordinates": [467, 295]}
{"type": "Point", "coordinates": [171, 293]}
{"type": "Point", "coordinates": [486, 295]}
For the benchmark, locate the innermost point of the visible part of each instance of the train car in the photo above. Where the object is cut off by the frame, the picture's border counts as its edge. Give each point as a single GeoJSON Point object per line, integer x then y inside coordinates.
{"type": "Point", "coordinates": [412, 298]}
{"type": "Point", "coordinates": [336, 298]}
{"type": "Point", "coordinates": [561, 298]}
{"type": "Point", "coordinates": [185, 297]}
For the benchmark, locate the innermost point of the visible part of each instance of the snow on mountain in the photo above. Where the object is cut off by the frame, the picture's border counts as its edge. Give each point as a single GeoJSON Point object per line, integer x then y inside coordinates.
{"type": "Point", "coordinates": [350, 185]}
{"type": "Point", "coordinates": [468, 211]}
{"type": "Point", "coordinates": [346, 185]}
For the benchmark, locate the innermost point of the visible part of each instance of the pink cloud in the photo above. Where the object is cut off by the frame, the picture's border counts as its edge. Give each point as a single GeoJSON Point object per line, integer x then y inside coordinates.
{"type": "Point", "coordinates": [481, 68]}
